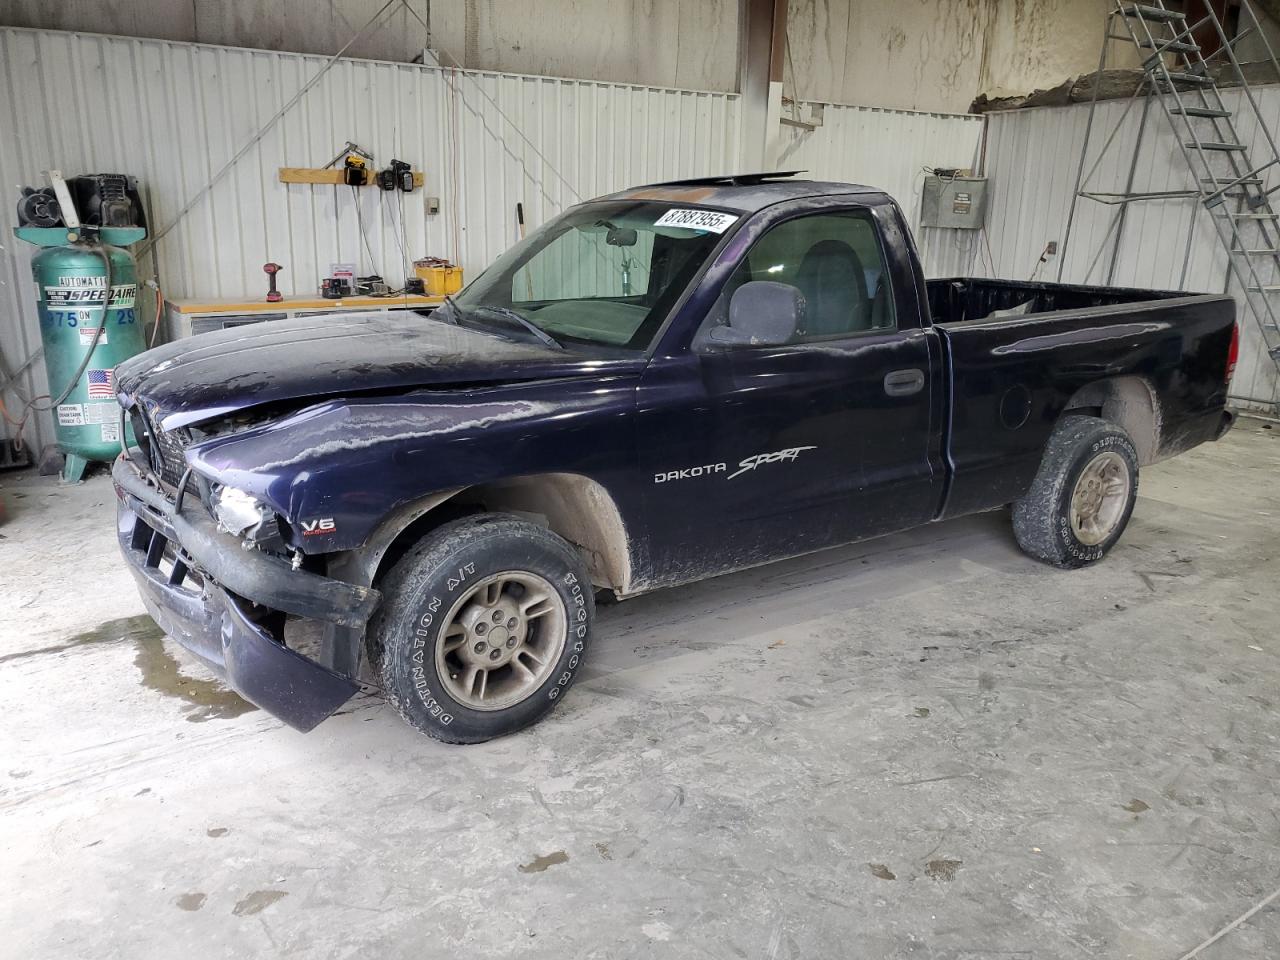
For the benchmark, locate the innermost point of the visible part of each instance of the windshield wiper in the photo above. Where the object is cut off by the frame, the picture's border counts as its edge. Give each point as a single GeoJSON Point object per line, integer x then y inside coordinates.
{"type": "Point", "coordinates": [507, 313]}
{"type": "Point", "coordinates": [456, 310]}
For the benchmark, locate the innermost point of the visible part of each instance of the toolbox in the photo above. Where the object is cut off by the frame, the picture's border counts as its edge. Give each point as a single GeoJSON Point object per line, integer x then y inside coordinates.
{"type": "Point", "coordinates": [440, 277]}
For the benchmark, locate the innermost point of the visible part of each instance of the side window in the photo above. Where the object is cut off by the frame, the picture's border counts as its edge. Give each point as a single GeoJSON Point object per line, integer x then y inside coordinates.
{"type": "Point", "coordinates": [835, 260]}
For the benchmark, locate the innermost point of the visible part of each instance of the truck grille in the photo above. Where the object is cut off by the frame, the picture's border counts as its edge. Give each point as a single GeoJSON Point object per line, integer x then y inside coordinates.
{"type": "Point", "coordinates": [171, 445]}
{"type": "Point", "coordinates": [163, 449]}
{"type": "Point", "coordinates": [166, 555]}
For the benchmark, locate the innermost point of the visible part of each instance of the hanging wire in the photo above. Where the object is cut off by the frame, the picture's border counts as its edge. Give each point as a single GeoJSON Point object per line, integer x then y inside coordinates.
{"type": "Point", "coordinates": [355, 199]}
{"type": "Point", "coordinates": [398, 231]}
{"type": "Point", "coordinates": [266, 127]}
{"type": "Point", "coordinates": [502, 113]}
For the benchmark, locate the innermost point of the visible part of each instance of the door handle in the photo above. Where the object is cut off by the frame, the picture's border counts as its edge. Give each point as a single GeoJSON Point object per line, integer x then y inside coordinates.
{"type": "Point", "coordinates": [903, 383]}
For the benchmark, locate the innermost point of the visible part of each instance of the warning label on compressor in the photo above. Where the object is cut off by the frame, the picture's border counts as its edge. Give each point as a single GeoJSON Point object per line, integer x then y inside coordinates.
{"type": "Point", "coordinates": [82, 414]}
{"type": "Point", "coordinates": [101, 413]}
{"type": "Point", "coordinates": [71, 415]}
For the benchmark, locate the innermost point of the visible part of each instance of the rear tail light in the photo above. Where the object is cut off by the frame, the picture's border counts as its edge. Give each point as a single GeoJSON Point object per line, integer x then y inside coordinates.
{"type": "Point", "coordinates": [1233, 352]}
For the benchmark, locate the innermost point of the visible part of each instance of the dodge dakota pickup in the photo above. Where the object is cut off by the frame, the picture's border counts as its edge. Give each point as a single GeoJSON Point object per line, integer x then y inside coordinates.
{"type": "Point", "coordinates": [666, 384]}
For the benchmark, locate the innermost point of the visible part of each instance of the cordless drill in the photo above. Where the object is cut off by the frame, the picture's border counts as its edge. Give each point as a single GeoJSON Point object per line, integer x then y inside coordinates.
{"type": "Point", "coordinates": [271, 269]}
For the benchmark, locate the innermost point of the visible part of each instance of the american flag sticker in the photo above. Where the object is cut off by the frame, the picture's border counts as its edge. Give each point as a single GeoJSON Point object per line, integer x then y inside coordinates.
{"type": "Point", "coordinates": [101, 383]}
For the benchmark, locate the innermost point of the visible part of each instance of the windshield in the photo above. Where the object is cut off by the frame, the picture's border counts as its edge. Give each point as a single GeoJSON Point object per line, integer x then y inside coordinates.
{"type": "Point", "coordinates": [602, 273]}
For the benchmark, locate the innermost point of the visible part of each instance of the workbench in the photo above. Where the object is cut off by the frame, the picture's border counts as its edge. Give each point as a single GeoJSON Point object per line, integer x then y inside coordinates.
{"type": "Point", "coordinates": [185, 318]}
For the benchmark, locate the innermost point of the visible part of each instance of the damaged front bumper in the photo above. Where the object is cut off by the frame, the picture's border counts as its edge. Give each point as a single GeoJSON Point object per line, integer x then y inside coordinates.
{"type": "Point", "coordinates": [225, 603]}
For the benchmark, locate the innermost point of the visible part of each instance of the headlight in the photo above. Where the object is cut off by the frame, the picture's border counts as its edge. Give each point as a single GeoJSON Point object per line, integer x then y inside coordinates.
{"type": "Point", "coordinates": [243, 515]}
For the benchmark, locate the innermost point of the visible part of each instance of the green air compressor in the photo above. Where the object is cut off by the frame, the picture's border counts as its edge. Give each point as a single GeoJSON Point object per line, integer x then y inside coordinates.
{"type": "Point", "coordinates": [86, 329]}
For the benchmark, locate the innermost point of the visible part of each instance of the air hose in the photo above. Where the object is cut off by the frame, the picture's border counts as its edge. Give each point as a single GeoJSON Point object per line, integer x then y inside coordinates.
{"type": "Point", "coordinates": [101, 251]}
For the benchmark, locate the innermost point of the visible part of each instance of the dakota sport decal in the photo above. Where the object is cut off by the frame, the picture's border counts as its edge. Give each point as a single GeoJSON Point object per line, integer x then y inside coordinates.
{"type": "Point", "coordinates": [778, 456]}
{"type": "Point", "coordinates": [744, 466]}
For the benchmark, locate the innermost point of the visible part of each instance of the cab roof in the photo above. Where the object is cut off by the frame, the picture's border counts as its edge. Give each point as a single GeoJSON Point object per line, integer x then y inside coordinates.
{"type": "Point", "coordinates": [745, 192]}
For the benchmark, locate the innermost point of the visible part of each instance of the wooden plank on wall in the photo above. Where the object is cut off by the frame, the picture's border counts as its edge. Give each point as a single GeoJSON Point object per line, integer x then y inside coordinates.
{"type": "Point", "coordinates": [331, 175]}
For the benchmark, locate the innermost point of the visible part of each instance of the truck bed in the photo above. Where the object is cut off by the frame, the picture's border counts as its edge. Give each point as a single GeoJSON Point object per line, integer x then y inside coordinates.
{"type": "Point", "coordinates": [1020, 353]}
{"type": "Point", "coordinates": [957, 299]}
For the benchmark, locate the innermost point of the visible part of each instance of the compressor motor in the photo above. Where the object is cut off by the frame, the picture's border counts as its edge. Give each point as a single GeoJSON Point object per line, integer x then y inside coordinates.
{"type": "Point", "coordinates": [101, 200]}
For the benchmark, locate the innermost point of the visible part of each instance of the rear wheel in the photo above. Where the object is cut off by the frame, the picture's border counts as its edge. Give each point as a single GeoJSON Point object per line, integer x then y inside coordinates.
{"type": "Point", "coordinates": [1082, 496]}
{"type": "Point", "coordinates": [483, 627]}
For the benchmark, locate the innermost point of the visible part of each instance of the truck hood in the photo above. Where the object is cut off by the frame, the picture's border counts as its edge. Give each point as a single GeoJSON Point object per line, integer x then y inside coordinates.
{"type": "Point", "coordinates": [315, 358]}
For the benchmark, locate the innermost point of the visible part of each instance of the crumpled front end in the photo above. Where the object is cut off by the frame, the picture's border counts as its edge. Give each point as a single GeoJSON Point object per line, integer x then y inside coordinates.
{"type": "Point", "coordinates": [228, 605]}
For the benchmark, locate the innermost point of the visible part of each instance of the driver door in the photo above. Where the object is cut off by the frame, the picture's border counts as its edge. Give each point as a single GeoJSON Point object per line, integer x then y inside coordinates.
{"type": "Point", "coordinates": [757, 452]}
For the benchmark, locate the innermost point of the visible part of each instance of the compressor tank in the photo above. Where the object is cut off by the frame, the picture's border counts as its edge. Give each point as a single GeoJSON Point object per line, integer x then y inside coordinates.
{"type": "Point", "coordinates": [70, 283]}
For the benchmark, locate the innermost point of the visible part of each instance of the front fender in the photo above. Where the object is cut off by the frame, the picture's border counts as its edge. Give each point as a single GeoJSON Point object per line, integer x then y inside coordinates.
{"type": "Point", "coordinates": [335, 471]}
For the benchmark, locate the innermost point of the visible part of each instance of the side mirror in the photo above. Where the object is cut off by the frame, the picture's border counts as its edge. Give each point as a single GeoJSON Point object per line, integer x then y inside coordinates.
{"type": "Point", "coordinates": [762, 313]}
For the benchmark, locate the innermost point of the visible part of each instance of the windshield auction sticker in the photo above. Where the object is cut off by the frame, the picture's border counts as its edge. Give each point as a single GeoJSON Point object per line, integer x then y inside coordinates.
{"type": "Point", "coordinates": [709, 221]}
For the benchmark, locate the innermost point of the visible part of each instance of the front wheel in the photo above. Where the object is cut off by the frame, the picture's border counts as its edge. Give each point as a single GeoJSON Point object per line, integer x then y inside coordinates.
{"type": "Point", "coordinates": [1082, 496]}
{"type": "Point", "coordinates": [483, 627]}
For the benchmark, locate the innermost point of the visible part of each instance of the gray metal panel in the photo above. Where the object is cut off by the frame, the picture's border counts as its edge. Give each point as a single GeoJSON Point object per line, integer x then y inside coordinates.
{"type": "Point", "coordinates": [955, 202]}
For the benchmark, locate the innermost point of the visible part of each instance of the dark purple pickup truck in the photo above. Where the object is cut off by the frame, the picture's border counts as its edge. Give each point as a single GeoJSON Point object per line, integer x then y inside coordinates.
{"type": "Point", "coordinates": [662, 385]}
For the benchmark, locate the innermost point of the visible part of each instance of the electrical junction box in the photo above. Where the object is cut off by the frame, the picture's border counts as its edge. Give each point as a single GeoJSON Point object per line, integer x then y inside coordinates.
{"type": "Point", "coordinates": [956, 202]}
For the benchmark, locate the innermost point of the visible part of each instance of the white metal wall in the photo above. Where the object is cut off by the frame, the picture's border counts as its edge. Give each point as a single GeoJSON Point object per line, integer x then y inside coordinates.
{"type": "Point", "coordinates": [890, 149]}
{"type": "Point", "coordinates": [665, 43]}
{"type": "Point", "coordinates": [1031, 160]}
{"type": "Point", "coordinates": [174, 113]}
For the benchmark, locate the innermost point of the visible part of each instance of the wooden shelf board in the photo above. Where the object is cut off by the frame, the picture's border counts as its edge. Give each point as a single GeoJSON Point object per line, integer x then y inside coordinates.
{"type": "Point", "coordinates": [300, 303]}
{"type": "Point", "coordinates": [332, 175]}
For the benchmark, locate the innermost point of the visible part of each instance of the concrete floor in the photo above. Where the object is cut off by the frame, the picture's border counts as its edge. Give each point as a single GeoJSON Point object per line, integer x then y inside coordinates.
{"type": "Point", "coordinates": [924, 746]}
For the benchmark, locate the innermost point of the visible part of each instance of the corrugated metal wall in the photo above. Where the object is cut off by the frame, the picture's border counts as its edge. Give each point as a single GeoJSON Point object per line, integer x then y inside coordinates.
{"type": "Point", "coordinates": [890, 149]}
{"type": "Point", "coordinates": [1031, 160]}
{"type": "Point", "coordinates": [174, 113]}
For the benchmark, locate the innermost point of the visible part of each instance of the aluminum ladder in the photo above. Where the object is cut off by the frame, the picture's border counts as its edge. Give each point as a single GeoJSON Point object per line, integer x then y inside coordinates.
{"type": "Point", "coordinates": [1232, 182]}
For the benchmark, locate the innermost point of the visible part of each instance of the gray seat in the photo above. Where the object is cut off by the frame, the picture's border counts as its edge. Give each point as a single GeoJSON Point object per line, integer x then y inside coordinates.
{"type": "Point", "coordinates": [835, 289]}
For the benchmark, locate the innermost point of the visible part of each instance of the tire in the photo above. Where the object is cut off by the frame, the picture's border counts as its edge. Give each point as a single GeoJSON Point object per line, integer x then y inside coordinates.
{"type": "Point", "coordinates": [490, 595]}
{"type": "Point", "coordinates": [1046, 523]}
